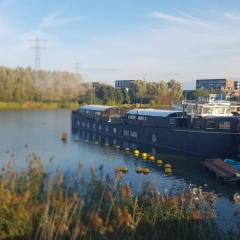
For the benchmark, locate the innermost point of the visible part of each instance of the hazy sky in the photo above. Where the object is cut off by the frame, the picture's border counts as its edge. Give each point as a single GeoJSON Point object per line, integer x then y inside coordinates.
{"type": "Point", "coordinates": [125, 39]}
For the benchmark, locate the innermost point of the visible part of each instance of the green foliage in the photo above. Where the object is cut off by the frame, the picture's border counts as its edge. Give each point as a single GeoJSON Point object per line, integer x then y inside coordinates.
{"type": "Point", "coordinates": [20, 85]}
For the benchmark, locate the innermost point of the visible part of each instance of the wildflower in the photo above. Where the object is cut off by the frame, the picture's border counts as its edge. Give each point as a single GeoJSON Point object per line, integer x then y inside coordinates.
{"type": "Point", "coordinates": [59, 178]}
{"type": "Point", "coordinates": [110, 229]}
{"type": "Point", "coordinates": [126, 192]}
{"type": "Point", "coordinates": [96, 220]}
{"type": "Point", "coordinates": [93, 172]}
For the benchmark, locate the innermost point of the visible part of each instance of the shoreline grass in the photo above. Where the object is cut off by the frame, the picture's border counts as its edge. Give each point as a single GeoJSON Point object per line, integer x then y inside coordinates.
{"type": "Point", "coordinates": [37, 105]}
{"type": "Point", "coordinates": [37, 204]}
{"type": "Point", "coordinates": [65, 105]}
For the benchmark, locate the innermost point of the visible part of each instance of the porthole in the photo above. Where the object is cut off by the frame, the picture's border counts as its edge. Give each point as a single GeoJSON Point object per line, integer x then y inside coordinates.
{"type": "Point", "coordinates": [88, 125]}
{"type": "Point", "coordinates": [107, 129]}
{"type": "Point", "coordinates": [115, 130]}
{"type": "Point", "coordinates": [100, 127]}
{"type": "Point", "coordinates": [154, 138]}
{"type": "Point", "coordinates": [94, 126]}
{"type": "Point", "coordinates": [83, 124]}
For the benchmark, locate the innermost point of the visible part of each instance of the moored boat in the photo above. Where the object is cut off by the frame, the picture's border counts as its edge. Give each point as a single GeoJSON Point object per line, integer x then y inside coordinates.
{"type": "Point", "coordinates": [210, 136]}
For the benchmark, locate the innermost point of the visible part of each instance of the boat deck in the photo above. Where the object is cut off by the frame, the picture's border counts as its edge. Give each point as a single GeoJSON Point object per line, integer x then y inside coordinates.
{"type": "Point", "coordinates": [222, 171]}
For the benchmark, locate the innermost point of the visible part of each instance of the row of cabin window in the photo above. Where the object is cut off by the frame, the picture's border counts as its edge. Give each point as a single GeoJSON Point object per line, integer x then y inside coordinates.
{"type": "Point", "coordinates": [125, 132]}
{"type": "Point", "coordinates": [225, 125]}
{"type": "Point", "coordinates": [99, 127]}
{"type": "Point", "coordinates": [134, 117]}
{"type": "Point", "coordinates": [95, 113]}
{"type": "Point", "coordinates": [130, 133]}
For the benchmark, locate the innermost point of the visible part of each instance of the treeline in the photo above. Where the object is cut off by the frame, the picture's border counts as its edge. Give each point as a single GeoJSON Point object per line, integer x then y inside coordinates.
{"type": "Point", "coordinates": [22, 84]}
{"type": "Point", "coordinates": [141, 92]}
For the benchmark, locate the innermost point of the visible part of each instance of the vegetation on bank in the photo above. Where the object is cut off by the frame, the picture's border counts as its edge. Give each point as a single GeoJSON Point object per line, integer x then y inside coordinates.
{"type": "Point", "coordinates": [25, 85]}
{"type": "Point", "coordinates": [36, 204]}
{"type": "Point", "coordinates": [38, 105]}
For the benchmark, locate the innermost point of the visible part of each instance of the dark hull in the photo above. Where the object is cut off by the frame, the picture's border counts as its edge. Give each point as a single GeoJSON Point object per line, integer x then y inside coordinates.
{"type": "Point", "coordinates": [201, 143]}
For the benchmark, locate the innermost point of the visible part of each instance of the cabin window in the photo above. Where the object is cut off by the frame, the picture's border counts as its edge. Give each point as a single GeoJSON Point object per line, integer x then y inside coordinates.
{"type": "Point", "coordinates": [133, 117]}
{"type": "Point", "coordinates": [98, 113]}
{"type": "Point", "coordinates": [224, 125]}
{"type": "Point", "coordinates": [154, 138]}
{"type": "Point", "coordinates": [172, 121]}
{"type": "Point", "coordinates": [87, 112]}
{"type": "Point", "coordinates": [78, 123]}
{"type": "Point", "coordinates": [94, 126]}
{"type": "Point", "coordinates": [88, 125]}
{"type": "Point", "coordinates": [197, 124]}
{"type": "Point", "coordinates": [133, 134]}
{"type": "Point", "coordinates": [211, 125]}
{"type": "Point", "coordinates": [142, 118]}
{"type": "Point", "coordinates": [115, 130]}
{"type": "Point", "coordinates": [107, 129]}
{"type": "Point", "coordinates": [83, 124]}
{"type": "Point", "coordinates": [100, 127]}
{"type": "Point", "coordinates": [126, 133]}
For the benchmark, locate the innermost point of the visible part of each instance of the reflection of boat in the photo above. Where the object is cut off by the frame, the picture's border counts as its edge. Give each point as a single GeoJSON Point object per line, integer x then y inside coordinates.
{"type": "Point", "coordinates": [208, 136]}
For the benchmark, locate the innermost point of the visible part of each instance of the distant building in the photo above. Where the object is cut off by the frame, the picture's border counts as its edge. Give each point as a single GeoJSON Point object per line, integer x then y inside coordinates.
{"type": "Point", "coordinates": [122, 84]}
{"type": "Point", "coordinates": [236, 85]}
{"type": "Point", "coordinates": [215, 84]}
{"type": "Point", "coordinates": [95, 84]}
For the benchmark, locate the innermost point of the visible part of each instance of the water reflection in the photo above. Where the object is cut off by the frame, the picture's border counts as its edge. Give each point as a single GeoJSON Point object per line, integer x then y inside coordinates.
{"type": "Point", "coordinates": [38, 131]}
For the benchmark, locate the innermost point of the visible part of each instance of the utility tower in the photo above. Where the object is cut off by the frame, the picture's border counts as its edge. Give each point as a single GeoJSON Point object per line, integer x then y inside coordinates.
{"type": "Point", "coordinates": [37, 46]}
{"type": "Point", "coordinates": [77, 68]}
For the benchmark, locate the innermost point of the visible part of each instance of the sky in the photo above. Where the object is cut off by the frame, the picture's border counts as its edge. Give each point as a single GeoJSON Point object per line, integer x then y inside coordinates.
{"type": "Point", "coordinates": [128, 39]}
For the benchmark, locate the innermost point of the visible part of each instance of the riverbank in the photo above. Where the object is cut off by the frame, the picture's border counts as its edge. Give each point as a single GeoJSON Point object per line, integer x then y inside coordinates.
{"type": "Point", "coordinates": [37, 105]}
{"type": "Point", "coordinates": [66, 105]}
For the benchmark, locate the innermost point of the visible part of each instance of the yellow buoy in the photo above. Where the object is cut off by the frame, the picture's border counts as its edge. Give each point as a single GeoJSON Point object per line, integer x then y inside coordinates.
{"type": "Point", "coordinates": [125, 169]}
{"type": "Point", "coordinates": [151, 158]}
{"type": "Point", "coordinates": [146, 170]}
{"type": "Point", "coordinates": [117, 147]}
{"type": "Point", "coordinates": [168, 170]}
{"type": "Point", "coordinates": [168, 165]}
{"type": "Point", "coordinates": [136, 152]}
{"type": "Point", "coordinates": [139, 170]}
{"type": "Point", "coordinates": [144, 155]}
{"type": "Point", "coordinates": [117, 169]}
{"type": "Point", "coordinates": [96, 143]}
{"type": "Point", "coordinates": [159, 162]}
{"type": "Point", "coordinates": [127, 149]}
{"type": "Point", "coordinates": [107, 145]}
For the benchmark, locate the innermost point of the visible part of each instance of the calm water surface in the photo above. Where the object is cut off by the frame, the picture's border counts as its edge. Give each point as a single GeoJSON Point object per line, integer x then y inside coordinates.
{"type": "Point", "coordinates": [39, 131]}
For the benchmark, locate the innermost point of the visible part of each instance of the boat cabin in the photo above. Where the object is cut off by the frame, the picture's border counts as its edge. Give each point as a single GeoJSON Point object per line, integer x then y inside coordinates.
{"type": "Point", "coordinates": [155, 117]}
{"type": "Point", "coordinates": [102, 111]}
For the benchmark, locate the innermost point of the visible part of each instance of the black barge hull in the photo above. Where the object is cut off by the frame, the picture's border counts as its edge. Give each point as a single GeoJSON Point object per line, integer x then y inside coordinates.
{"type": "Point", "coordinates": [201, 143]}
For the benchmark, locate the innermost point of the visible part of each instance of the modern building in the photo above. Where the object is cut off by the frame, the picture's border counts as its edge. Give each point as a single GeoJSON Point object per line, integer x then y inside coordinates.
{"type": "Point", "coordinates": [215, 84]}
{"type": "Point", "coordinates": [122, 84]}
{"type": "Point", "coordinates": [95, 84]}
{"type": "Point", "coordinates": [236, 85]}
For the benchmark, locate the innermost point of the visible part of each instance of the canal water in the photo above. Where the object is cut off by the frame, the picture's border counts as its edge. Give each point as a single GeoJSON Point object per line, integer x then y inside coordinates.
{"type": "Point", "coordinates": [40, 131]}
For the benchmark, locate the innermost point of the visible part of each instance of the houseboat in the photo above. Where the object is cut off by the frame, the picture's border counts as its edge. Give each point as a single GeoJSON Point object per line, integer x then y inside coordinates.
{"type": "Point", "coordinates": [209, 136]}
